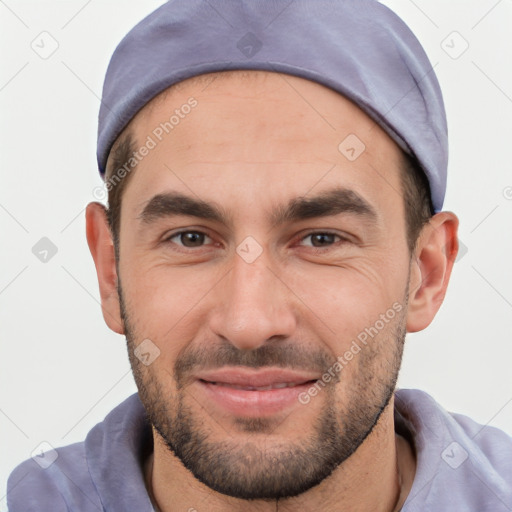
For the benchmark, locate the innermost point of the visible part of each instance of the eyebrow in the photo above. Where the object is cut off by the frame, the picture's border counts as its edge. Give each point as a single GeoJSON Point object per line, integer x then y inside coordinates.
{"type": "Point", "coordinates": [328, 203]}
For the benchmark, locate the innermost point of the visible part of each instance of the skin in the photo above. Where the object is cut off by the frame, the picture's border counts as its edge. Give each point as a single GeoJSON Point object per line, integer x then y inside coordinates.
{"type": "Point", "coordinates": [248, 146]}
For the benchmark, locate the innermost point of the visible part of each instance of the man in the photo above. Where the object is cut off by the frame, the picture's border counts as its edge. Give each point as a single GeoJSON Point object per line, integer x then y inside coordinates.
{"type": "Point", "coordinates": [276, 174]}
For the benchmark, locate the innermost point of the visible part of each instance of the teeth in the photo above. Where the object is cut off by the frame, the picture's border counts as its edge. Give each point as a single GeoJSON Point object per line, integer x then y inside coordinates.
{"type": "Point", "coordinates": [279, 385]}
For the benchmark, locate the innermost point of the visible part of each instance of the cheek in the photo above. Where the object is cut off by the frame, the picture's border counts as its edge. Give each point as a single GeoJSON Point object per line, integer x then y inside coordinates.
{"type": "Point", "coordinates": [344, 300]}
{"type": "Point", "coordinates": [166, 305]}
{"type": "Point", "coordinates": [335, 303]}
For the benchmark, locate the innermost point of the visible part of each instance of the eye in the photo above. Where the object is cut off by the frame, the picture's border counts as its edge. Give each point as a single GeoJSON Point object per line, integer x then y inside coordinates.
{"type": "Point", "coordinates": [320, 239]}
{"type": "Point", "coordinates": [192, 239]}
{"type": "Point", "coordinates": [189, 239]}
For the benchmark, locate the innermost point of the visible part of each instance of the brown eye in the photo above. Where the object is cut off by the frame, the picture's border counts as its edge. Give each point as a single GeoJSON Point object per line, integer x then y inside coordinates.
{"type": "Point", "coordinates": [189, 238]}
{"type": "Point", "coordinates": [321, 239]}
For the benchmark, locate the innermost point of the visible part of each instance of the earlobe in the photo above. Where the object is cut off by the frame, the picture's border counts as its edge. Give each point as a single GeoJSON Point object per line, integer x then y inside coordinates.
{"type": "Point", "coordinates": [431, 267]}
{"type": "Point", "coordinates": [100, 243]}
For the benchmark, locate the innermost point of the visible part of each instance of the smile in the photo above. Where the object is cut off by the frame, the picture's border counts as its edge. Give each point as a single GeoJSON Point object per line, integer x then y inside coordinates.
{"type": "Point", "coordinates": [246, 392]}
{"type": "Point", "coordinates": [279, 385]}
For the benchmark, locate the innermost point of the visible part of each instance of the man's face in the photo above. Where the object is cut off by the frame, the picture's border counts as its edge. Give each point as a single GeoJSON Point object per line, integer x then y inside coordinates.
{"type": "Point", "coordinates": [250, 309]}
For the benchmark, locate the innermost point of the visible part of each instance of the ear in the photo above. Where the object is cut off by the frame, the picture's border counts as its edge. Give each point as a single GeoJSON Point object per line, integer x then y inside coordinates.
{"type": "Point", "coordinates": [431, 267]}
{"type": "Point", "coordinates": [101, 246]}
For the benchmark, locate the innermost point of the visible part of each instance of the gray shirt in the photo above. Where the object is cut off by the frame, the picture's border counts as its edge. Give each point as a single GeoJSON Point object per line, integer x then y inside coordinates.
{"type": "Point", "coordinates": [461, 466]}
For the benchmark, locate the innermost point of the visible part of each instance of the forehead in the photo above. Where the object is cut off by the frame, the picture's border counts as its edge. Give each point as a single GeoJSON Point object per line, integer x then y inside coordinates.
{"type": "Point", "coordinates": [261, 132]}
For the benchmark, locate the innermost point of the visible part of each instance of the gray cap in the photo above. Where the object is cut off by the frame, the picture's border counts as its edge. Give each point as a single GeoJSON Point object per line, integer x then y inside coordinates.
{"type": "Point", "coordinates": [359, 48]}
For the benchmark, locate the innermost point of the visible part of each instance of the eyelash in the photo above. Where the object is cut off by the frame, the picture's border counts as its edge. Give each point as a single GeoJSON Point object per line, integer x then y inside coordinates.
{"type": "Point", "coordinates": [312, 233]}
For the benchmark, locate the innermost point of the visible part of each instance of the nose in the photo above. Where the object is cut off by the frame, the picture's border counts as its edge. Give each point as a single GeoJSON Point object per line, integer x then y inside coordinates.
{"type": "Point", "coordinates": [253, 305]}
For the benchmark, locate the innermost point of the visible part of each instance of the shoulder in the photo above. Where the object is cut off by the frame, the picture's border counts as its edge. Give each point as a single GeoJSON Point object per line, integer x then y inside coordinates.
{"type": "Point", "coordinates": [458, 460]}
{"type": "Point", "coordinates": [492, 443]}
{"type": "Point", "coordinates": [57, 480]}
{"type": "Point", "coordinates": [82, 476]}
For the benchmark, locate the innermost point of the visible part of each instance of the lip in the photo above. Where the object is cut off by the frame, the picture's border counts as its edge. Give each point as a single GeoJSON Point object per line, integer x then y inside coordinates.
{"type": "Point", "coordinates": [246, 392]}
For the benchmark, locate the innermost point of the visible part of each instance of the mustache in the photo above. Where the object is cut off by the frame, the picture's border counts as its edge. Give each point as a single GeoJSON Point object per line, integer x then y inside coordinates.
{"type": "Point", "coordinates": [290, 356]}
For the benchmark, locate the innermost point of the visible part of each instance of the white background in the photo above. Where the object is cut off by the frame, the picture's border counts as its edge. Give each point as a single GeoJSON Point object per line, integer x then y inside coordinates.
{"type": "Point", "coordinates": [62, 370]}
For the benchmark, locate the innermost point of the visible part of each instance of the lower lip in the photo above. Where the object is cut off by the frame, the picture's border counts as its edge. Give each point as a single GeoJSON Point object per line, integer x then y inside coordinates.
{"type": "Point", "coordinates": [253, 404]}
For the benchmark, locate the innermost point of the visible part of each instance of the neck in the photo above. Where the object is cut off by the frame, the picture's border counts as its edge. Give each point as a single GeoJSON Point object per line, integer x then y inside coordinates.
{"type": "Point", "coordinates": [377, 478]}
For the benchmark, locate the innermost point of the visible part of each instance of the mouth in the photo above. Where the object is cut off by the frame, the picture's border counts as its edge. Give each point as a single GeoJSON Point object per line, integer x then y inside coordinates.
{"type": "Point", "coordinates": [277, 385]}
{"type": "Point", "coordinates": [245, 392]}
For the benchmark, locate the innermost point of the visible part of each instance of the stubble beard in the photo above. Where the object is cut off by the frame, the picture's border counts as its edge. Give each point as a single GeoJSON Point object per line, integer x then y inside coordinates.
{"type": "Point", "coordinates": [253, 470]}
